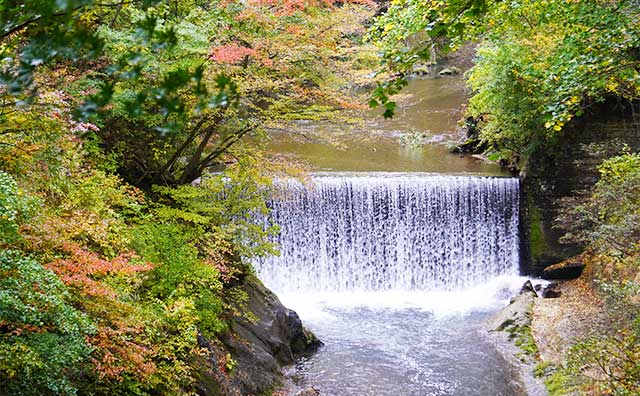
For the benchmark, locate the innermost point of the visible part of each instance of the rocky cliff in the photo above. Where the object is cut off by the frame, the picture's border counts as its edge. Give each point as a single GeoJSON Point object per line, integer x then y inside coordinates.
{"type": "Point", "coordinates": [259, 343]}
{"type": "Point", "coordinates": [565, 168]}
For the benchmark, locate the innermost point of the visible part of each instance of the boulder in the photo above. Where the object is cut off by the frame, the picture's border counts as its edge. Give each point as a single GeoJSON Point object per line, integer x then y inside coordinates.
{"type": "Point", "coordinates": [551, 291]}
{"type": "Point", "coordinates": [517, 313]}
{"type": "Point", "coordinates": [309, 392]}
{"type": "Point", "coordinates": [527, 287]}
{"type": "Point", "coordinates": [449, 71]}
{"type": "Point", "coordinates": [260, 344]}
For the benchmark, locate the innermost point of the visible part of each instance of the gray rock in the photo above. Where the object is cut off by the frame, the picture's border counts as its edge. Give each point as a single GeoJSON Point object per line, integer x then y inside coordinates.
{"type": "Point", "coordinates": [517, 313]}
{"type": "Point", "coordinates": [551, 291]}
{"type": "Point", "coordinates": [263, 346]}
{"type": "Point", "coordinates": [527, 287]}
{"type": "Point", "coordinates": [449, 71]}
{"type": "Point", "coordinates": [260, 346]}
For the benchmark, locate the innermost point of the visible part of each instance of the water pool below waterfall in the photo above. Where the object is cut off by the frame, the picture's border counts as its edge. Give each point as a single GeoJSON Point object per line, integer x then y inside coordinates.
{"type": "Point", "coordinates": [395, 273]}
{"type": "Point", "coordinates": [398, 351]}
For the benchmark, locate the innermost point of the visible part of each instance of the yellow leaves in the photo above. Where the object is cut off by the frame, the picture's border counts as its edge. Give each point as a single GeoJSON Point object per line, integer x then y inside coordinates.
{"type": "Point", "coordinates": [572, 100]}
{"type": "Point", "coordinates": [555, 125]}
{"type": "Point", "coordinates": [612, 86]}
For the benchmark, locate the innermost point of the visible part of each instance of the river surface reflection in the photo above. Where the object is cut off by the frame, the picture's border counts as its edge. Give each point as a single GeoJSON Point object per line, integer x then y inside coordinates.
{"type": "Point", "coordinates": [430, 106]}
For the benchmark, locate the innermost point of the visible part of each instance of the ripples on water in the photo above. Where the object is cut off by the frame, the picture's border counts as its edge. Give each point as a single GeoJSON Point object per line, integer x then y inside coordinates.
{"type": "Point", "coordinates": [402, 352]}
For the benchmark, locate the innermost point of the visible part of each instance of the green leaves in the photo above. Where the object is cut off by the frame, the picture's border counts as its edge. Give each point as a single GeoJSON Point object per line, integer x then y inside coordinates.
{"type": "Point", "coordinates": [539, 64]}
{"type": "Point", "coordinates": [41, 335]}
{"type": "Point", "coordinates": [15, 208]}
{"type": "Point", "coordinates": [608, 218]}
{"type": "Point", "coordinates": [380, 96]}
{"type": "Point", "coordinates": [36, 33]}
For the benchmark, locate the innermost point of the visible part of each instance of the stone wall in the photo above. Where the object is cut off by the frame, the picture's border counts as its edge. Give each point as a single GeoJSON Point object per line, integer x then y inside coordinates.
{"type": "Point", "coordinates": [566, 168]}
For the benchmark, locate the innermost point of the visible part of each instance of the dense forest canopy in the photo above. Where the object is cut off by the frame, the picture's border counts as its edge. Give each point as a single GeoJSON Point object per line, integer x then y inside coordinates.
{"type": "Point", "coordinates": [130, 168]}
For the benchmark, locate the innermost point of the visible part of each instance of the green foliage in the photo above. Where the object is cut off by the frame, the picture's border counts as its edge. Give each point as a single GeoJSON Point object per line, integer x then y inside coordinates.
{"type": "Point", "coordinates": [409, 30]}
{"type": "Point", "coordinates": [559, 383]}
{"type": "Point", "coordinates": [542, 368]}
{"type": "Point", "coordinates": [619, 169]}
{"type": "Point", "coordinates": [41, 35]}
{"type": "Point", "coordinates": [15, 208]}
{"type": "Point", "coordinates": [41, 335]}
{"type": "Point", "coordinates": [222, 211]}
{"type": "Point", "coordinates": [52, 30]}
{"type": "Point", "coordinates": [608, 217]}
{"type": "Point", "coordinates": [136, 124]}
{"type": "Point", "coordinates": [181, 277]}
{"type": "Point", "coordinates": [539, 63]}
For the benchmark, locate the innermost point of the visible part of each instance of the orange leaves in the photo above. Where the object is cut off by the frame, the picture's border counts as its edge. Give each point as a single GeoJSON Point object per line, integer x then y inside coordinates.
{"type": "Point", "coordinates": [234, 54]}
{"type": "Point", "coordinates": [115, 354]}
{"type": "Point", "coordinates": [119, 345]}
{"type": "Point", "coordinates": [83, 269]}
{"type": "Point", "coordinates": [231, 54]}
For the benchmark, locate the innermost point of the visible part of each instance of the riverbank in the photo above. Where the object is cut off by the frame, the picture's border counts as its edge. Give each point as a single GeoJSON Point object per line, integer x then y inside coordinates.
{"type": "Point", "coordinates": [534, 334]}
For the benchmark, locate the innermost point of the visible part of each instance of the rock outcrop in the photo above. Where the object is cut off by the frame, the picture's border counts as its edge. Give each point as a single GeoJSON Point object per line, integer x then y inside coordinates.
{"type": "Point", "coordinates": [567, 168]}
{"type": "Point", "coordinates": [569, 269]}
{"type": "Point", "coordinates": [510, 331]}
{"type": "Point", "coordinates": [259, 343]}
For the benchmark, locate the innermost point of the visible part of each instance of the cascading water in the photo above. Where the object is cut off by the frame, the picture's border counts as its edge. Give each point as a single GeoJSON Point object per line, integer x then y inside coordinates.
{"type": "Point", "coordinates": [390, 232]}
{"type": "Point", "coordinates": [372, 261]}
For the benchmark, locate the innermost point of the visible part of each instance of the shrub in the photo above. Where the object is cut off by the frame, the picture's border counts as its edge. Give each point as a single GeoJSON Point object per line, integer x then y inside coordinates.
{"type": "Point", "coordinates": [180, 274]}
{"type": "Point", "coordinates": [608, 361]}
{"type": "Point", "coordinates": [14, 208]}
{"type": "Point", "coordinates": [41, 335]}
{"type": "Point", "coordinates": [608, 218]}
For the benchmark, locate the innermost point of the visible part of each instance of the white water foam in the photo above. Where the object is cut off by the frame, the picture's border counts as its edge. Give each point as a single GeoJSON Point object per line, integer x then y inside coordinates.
{"type": "Point", "coordinates": [401, 234]}
{"type": "Point", "coordinates": [490, 296]}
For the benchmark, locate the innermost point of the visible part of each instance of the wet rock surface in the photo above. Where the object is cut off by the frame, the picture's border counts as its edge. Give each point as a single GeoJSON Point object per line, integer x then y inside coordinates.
{"type": "Point", "coordinates": [566, 169]}
{"type": "Point", "coordinates": [509, 327]}
{"type": "Point", "coordinates": [260, 344]}
{"type": "Point", "coordinates": [552, 290]}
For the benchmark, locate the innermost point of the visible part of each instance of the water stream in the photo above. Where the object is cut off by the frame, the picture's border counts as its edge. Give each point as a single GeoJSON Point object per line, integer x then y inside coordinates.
{"type": "Point", "coordinates": [394, 272]}
{"type": "Point", "coordinates": [430, 106]}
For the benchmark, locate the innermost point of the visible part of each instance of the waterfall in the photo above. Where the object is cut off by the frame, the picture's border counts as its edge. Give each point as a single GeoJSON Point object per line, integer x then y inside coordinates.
{"type": "Point", "coordinates": [392, 232]}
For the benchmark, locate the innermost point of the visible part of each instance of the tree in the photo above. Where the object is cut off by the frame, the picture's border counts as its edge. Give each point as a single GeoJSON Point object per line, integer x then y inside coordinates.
{"type": "Point", "coordinates": [539, 64]}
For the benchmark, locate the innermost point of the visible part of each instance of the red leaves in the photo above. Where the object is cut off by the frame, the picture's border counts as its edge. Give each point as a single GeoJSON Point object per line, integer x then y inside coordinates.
{"type": "Point", "coordinates": [118, 349]}
{"type": "Point", "coordinates": [231, 54]}
{"type": "Point", "coordinates": [115, 355]}
{"type": "Point", "coordinates": [83, 269]}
